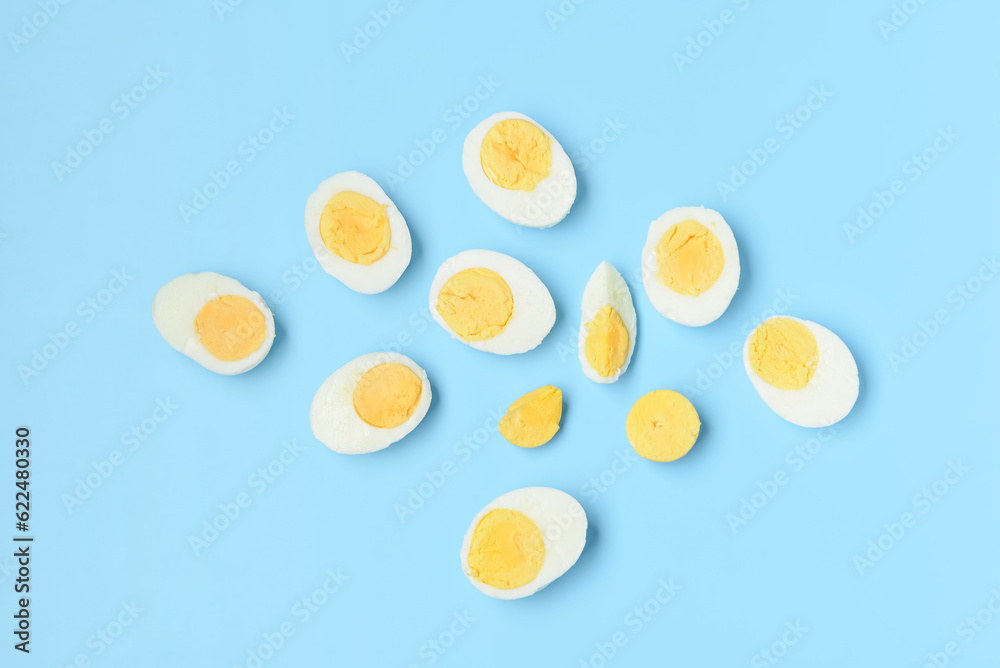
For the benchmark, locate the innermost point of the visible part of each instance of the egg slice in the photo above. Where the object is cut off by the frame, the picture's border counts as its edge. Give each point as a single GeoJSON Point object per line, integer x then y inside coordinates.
{"type": "Point", "coordinates": [491, 302]}
{"type": "Point", "coordinates": [690, 265]}
{"type": "Point", "coordinates": [607, 328]}
{"type": "Point", "coordinates": [370, 403]}
{"type": "Point", "coordinates": [802, 371]}
{"type": "Point", "coordinates": [662, 426]}
{"type": "Point", "coordinates": [522, 541]}
{"type": "Point", "coordinates": [357, 233]}
{"type": "Point", "coordinates": [214, 320]}
{"type": "Point", "coordinates": [533, 419]}
{"type": "Point", "coordinates": [519, 170]}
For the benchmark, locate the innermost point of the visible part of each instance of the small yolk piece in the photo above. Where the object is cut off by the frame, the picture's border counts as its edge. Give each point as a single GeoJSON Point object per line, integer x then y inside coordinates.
{"type": "Point", "coordinates": [230, 327]}
{"type": "Point", "coordinates": [387, 395]}
{"type": "Point", "coordinates": [516, 154]}
{"type": "Point", "coordinates": [507, 549]}
{"type": "Point", "coordinates": [662, 426]}
{"type": "Point", "coordinates": [476, 303]}
{"type": "Point", "coordinates": [606, 345]}
{"type": "Point", "coordinates": [355, 227]}
{"type": "Point", "coordinates": [784, 353]}
{"type": "Point", "coordinates": [533, 419]}
{"type": "Point", "coordinates": [689, 258]}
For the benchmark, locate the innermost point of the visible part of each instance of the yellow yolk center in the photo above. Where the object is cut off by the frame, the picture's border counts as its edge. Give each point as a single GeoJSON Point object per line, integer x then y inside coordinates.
{"type": "Point", "coordinates": [230, 327]}
{"type": "Point", "coordinates": [476, 303]}
{"type": "Point", "coordinates": [662, 426]}
{"type": "Point", "coordinates": [355, 227]}
{"type": "Point", "coordinates": [507, 549]}
{"type": "Point", "coordinates": [516, 154]}
{"type": "Point", "coordinates": [607, 342]}
{"type": "Point", "coordinates": [784, 353]}
{"type": "Point", "coordinates": [689, 258]}
{"type": "Point", "coordinates": [533, 419]}
{"type": "Point", "coordinates": [387, 395]}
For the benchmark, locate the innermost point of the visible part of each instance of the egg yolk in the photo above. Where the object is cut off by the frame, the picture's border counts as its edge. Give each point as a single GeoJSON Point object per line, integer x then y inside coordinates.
{"type": "Point", "coordinates": [387, 395]}
{"type": "Point", "coordinates": [784, 353]}
{"type": "Point", "coordinates": [507, 549]}
{"type": "Point", "coordinates": [516, 154]}
{"type": "Point", "coordinates": [533, 419]}
{"type": "Point", "coordinates": [355, 227]}
{"type": "Point", "coordinates": [662, 426]}
{"type": "Point", "coordinates": [607, 341]}
{"type": "Point", "coordinates": [689, 258]}
{"type": "Point", "coordinates": [230, 327]}
{"type": "Point", "coordinates": [476, 303]}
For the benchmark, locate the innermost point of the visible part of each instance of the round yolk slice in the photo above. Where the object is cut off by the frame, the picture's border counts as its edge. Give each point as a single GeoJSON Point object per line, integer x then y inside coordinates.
{"type": "Point", "coordinates": [507, 549]}
{"type": "Point", "coordinates": [662, 426]}
{"type": "Point", "coordinates": [476, 303]}
{"type": "Point", "coordinates": [516, 154]}
{"type": "Point", "coordinates": [230, 327]}
{"type": "Point", "coordinates": [533, 419]}
{"type": "Point", "coordinates": [689, 258]}
{"type": "Point", "coordinates": [606, 345]}
{"type": "Point", "coordinates": [784, 353]}
{"type": "Point", "coordinates": [355, 227]}
{"type": "Point", "coordinates": [387, 395]}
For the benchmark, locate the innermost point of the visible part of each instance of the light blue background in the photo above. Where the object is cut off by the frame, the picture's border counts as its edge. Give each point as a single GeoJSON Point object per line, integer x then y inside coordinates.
{"type": "Point", "coordinates": [794, 561]}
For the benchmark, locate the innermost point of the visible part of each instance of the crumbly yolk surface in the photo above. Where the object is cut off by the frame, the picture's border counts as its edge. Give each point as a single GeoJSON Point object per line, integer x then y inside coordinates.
{"type": "Point", "coordinates": [476, 303]}
{"type": "Point", "coordinates": [387, 395]}
{"type": "Point", "coordinates": [507, 549]}
{"type": "Point", "coordinates": [784, 353]}
{"type": "Point", "coordinates": [533, 419]}
{"type": "Point", "coordinates": [516, 154]}
{"type": "Point", "coordinates": [607, 342]}
{"type": "Point", "coordinates": [662, 426]}
{"type": "Point", "coordinates": [689, 258]}
{"type": "Point", "coordinates": [231, 327]}
{"type": "Point", "coordinates": [355, 227]}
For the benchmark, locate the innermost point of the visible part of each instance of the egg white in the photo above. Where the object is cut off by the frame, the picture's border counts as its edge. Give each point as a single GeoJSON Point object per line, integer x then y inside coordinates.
{"type": "Point", "coordinates": [176, 305]}
{"type": "Point", "coordinates": [534, 311]}
{"type": "Point", "coordinates": [379, 275]}
{"type": "Point", "coordinates": [563, 523]}
{"type": "Point", "coordinates": [337, 425]}
{"type": "Point", "coordinates": [544, 206]}
{"type": "Point", "coordinates": [829, 395]}
{"type": "Point", "coordinates": [691, 310]}
{"type": "Point", "coordinates": [606, 287]}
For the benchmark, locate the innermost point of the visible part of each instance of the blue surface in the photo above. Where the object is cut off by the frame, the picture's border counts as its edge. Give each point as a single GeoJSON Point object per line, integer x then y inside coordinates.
{"type": "Point", "coordinates": [682, 129]}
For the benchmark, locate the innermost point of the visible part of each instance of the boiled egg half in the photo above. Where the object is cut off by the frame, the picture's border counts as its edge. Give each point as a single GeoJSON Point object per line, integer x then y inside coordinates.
{"type": "Point", "coordinates": [607, 327]}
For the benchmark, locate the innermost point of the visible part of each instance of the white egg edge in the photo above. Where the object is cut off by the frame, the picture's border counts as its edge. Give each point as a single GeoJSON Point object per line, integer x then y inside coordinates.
{"type": "Point", "coordinates": [384, 272]}
{"type": "Point", "coordinates": [177, 329]}
{"type": "Point", "coordinates": [336, 424]}
{"type": "Point", "coordinates": [689, 310]}
{"type": "Point", "coordinates": [829, 396]}
{"type": "Point", "coordinates": [606, 286]}
{"type": "Point", "coordinates": [557, 505]}
{"type": "Point", "coordinates": [522, 207]}
{"type": "Point", "coordinates": [528, 309]}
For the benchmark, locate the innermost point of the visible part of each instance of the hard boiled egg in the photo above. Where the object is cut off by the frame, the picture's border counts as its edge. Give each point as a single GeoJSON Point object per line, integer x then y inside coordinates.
{"type": "Point", "coordinates": [522, 541]}
{"type": "Point", "coordinates": [607, 327]}
{"type": "Point", "coordinates": [690, 265]}
{"type": "Point", "coordinates": [802, 371]}
{"type": "Point", "coordinates": [662, 426]}
{"type": "Point", "coordinates": [370, 403]}
{"type": "Point", "coordinates": [214, 320]}
{"type": "Point", "coordinates": [357, 233]}
{"type": "Point", "coordinates": [491, 302]}
{"type": "Point", "coordinates": [533, 419]}
{"type": "Point", "coordinates": [519, 170]}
